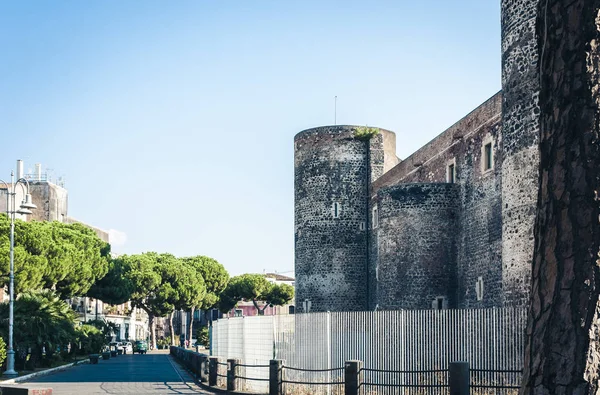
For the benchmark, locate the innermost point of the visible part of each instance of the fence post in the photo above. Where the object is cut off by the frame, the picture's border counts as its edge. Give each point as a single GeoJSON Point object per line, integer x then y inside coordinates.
{"type": "Point", "coordinates": [353, 377]}
{"type": "Point", "coordinates": [212, 371]}
{"type": "Point", "coordinates": [459, 378]}
{"type": "Point", "coordinates": [232, 373]}
{"type": "Point", "coordinates": [275, 377]}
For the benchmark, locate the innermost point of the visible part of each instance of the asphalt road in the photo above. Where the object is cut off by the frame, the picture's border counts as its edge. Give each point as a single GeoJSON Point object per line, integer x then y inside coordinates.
{"type": "Point", "coordinates": [154, 373]}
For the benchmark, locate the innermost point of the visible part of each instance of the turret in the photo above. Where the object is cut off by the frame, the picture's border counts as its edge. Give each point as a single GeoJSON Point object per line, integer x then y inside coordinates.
{"type": "Point", "coordinates": [333, 174]}
{"type": "Point", "coordinates": [520, 129]}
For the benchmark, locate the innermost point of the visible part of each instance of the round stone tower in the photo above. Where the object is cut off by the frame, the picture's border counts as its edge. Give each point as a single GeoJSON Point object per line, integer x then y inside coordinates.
{"type": "Point", "coordinates": [520, 129]}
{"type": "Point", "coordinates": [333, 174]}
{"type": "Point", "coordinates": [417, 246]}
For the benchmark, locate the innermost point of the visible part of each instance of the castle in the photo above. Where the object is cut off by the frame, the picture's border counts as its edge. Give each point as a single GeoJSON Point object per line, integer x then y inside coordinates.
{"type": "Point", "coordinates": [451, 226]}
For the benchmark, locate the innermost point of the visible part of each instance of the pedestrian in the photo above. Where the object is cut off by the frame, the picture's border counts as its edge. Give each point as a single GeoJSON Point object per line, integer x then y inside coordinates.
{"type": "Point", "coordinates": [186, 343]}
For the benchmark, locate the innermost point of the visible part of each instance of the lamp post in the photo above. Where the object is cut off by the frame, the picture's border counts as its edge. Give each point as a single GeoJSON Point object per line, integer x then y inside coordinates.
{"type": "Point", "coordinates": [11, 211]}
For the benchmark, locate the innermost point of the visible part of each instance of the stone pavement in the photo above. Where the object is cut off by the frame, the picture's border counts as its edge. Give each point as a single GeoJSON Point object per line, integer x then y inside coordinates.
{"type": "Point", "coordinates": [154, 373]}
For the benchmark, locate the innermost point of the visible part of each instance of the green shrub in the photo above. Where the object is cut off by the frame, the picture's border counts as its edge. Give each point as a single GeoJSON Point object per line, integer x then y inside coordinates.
{"type": "Point", "coordinates": [2, 351]}
{"type": "Point", "coordinates": [91, 339]}
{"type": "Point", "coordinates": [202, 336]}
{"type": "Point", "coordinates": [43, 323]}
{"type": "Point", "coordinates": [365, 133]}
{"type": "Point", "coordinates": [161, 343]}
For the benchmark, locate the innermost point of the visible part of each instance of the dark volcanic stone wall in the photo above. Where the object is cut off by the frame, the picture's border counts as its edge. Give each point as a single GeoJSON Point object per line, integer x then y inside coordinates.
{"type": "Point", "coordinates": [520, 128]}
{"type": "Point", "coordinates": [478, 227]}
{"type": "Point", "coordinates": [331, 261]}
{"type": "Point", "coordinates": [480, 240]}
{"type": "Point", "coordinates": [416, 245]}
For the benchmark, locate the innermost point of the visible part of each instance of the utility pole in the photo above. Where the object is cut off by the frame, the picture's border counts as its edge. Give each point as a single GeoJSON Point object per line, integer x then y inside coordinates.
{"type": "Point", "coordinates": [335, 110]}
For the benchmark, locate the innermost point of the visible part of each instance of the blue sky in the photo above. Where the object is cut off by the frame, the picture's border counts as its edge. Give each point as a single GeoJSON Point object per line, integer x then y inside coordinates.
{"type": "Point", "coordinates": [173, 122]}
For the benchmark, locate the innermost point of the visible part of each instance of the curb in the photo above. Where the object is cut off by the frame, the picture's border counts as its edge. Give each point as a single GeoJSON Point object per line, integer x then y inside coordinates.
{"type": "Point", "coordinates": [218, 390]}
{"type": "Point", "coordinates": [43, 372]}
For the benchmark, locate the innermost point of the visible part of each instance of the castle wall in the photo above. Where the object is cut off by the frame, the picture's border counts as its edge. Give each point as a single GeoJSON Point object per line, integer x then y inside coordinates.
{"type": "Point", "coordinates": [424, 164]}
{"type": "Point", "coordinates": [494, 153]}
{"type": "Point", "coordinates": [520, 125]}
{"type": "Point", "coordinates": [480, 243]}
{"type": "Point", "coordinates": [416, 245]}
{"type": "Point", "coordinates": [478, 226]}
{"type": "Point", "coordinates": [332, 167]}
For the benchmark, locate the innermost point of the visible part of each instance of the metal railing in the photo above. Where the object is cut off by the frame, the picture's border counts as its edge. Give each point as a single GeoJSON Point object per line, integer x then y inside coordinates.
{"type": "Point", "coordinates": [434, 381]}
{"type": "Point", "coordinates": [353, 378]}
{"type": "Point", "coordinates": [501, 381]}
{"type": "Point", "coordinates": [314, 381]}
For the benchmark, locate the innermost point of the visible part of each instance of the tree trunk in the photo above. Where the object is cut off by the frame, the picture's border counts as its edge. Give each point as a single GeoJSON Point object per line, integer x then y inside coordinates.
{"type": "Point", "coordinates": [171, 328]}
{"type": "Point", "coordinates": [152, 324]}
{"type": "Point", "coordinates": [260, 311]}
{"type": "Point", "coordinates": [190, 327]}
{"type": "Point", "coordinates": [560, 358]}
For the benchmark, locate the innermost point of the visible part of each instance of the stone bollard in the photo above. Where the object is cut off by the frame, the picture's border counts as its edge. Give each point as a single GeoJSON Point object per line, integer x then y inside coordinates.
{"type": "Point", "coordinates": [459, 378]}
{"type": "Point", "coordinates": [232, 374]}
{"type": "Point", "coordinates": [276, 377]}
{"type": "Point", "coordinates": [203, 369]}
{"type": "Point", "coordinates": [217, 372]}
{"type": "Point", "coordinates": [353, 377]}
{"type": "Point", "coordinates": [212, 371]}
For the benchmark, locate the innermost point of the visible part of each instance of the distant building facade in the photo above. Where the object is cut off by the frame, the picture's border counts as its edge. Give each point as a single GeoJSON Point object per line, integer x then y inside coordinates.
{"type": "Point", "coordinates": [131, 323]}
{"type": "Point", "coordinates": [247, 308]}
{"type": "Point", "coordinates": [51, 199]}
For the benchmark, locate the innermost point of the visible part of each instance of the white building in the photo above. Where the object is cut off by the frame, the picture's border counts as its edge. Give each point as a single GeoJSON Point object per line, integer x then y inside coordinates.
{"type": "Point", "coordinates": [131, 323]}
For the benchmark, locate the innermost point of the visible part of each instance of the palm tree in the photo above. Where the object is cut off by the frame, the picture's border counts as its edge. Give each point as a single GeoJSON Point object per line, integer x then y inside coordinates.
{"type": "Point", "coordinates": [42, 323]}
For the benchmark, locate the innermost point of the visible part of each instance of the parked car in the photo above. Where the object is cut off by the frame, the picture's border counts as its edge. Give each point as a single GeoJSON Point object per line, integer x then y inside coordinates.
{"type": "Point", "coordinates": [127, 347]}
{"type": "Point", "coordinates": [115, 346]}
{"type": "Point", "coordinates": [141, 347]}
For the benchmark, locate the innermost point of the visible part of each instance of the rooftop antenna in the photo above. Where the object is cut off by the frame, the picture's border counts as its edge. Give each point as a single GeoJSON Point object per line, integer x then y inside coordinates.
{"type": "Point", "coordinates": [335, 110]}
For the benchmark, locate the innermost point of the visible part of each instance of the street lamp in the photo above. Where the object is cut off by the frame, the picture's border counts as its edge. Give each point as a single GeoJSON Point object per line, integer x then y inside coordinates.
{"type": "Point", "coordinates": [11, 211]}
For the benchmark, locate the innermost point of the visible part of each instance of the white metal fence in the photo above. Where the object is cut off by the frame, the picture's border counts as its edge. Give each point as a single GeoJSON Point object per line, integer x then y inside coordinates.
{"type": "Point", "coordinates": [418, 343]}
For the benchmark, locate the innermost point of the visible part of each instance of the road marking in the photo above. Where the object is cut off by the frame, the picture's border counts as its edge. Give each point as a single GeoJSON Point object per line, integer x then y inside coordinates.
{"type": "Point", "coordinates": [175, 369]}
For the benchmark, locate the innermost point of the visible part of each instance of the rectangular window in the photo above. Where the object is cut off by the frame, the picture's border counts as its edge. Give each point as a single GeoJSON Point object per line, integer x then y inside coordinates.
{"type": "Point", "coordinates": [336, 210]}
{"type": "Point", "coordinates": [238, 313]}
{"type": "Point", "coordinates": [451, 174]}
{"type": "Point", "coordinates": [479, 288]}
{"type": "Point", "coordinates": [487, 157]}
{"type": "Point", "coordinates": [375, 218]}
{"type": "Point", "coordinates": [438, 303]}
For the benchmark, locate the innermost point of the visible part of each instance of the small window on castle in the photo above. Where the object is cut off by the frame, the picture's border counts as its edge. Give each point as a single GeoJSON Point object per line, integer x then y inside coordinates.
{"type": "Point", "coordinates": [336, 210]}
{"type": "Point", "coordinates": [487, 157]}
{"type": "Point", "coordinates": [439, 303]}
{"type": "Point", "coordinates": [362, 225]}
{"type": "Point", "coordinates": [479, 288]}
{"type": "Point", "coordinates": [451, 174]}
{"type": "Point", "coordinates": [375, 218]}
